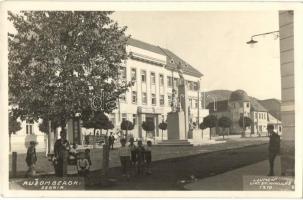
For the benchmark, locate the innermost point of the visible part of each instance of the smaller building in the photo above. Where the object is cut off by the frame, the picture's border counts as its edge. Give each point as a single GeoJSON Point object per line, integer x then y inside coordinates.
{"type": "Point", "coordinates": [239, 104]}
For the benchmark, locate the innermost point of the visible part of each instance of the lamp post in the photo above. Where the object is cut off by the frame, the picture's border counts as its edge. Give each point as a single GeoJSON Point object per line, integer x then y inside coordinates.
{"type": "Point", "coordinates": [252, 41]}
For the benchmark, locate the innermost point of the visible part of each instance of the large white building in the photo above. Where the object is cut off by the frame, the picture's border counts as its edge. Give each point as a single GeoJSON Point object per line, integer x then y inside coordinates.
{"type": "Point", "coordinates": [153, 71]}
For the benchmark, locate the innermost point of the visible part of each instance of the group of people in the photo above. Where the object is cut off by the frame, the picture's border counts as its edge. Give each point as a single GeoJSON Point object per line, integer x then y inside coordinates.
{"type": "Point", "coordinates": [135, 159]}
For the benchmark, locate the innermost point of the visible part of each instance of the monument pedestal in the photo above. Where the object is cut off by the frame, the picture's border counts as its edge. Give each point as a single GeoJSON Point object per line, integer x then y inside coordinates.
{"type": "Point", "coordinates": [176, 135]}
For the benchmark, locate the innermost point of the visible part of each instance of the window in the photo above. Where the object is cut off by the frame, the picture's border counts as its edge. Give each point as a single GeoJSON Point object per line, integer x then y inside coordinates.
{"type": "Point", "coordinates": [29, 129]}
{"type": "Point", "coordinates": [134, 97]}
{"type": "Point", "coordinates": [256, 115]}
{"type": "Point", "coordinates": [196, 103]}
{"type": "Point", "coordinates": [169, 99]}
{"type": "Point", "coordinates": [153, 78]}
{"type": "Point", "coordinates": [190, 103]}
{"type": "Point", "coordinates": [123, 97]}
{"type": "Point", "coordinates": [259, 115]}
{"type": "Point", "coordinates": [247, 105]}
{"type": "Point", "coordinates": [169, 81]}
{"type": "Point", "coordinates": [143, 76]}
{"type": "Point", "coordinates": [134, 119]}
{"type": "Point", "coordinates": [161, 80]}
{"type": "Point", "coordinates": [112, 118]}
{"type": "Point", "coordinates": [122, 73]}
{"type": "Point", "coordinates": [133, 74]}
{"type": "Point", "coordinates": [144, 98]}
{"type": "Point", "coordinates": [280, 128]}
{"type": "Point", "coordinates": [124, 116]}
{"type": "Point", "coordinates": [153, 99]}
{"type": "Point", "coordinates": [196, 86]}
{"type": "Point", "coordinates": [161, 100]}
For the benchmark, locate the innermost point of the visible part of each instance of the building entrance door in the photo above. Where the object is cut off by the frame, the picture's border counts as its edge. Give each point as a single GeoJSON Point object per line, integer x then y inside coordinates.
{"type": "Point", "coordinates": [151, 118]}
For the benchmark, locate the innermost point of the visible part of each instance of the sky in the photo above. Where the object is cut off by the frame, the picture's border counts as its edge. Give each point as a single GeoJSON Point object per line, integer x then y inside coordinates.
{"type": "Point", "coordinates": [215, 44]}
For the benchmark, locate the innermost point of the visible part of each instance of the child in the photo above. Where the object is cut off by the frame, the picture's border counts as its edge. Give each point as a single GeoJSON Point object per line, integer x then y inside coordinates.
{"type": "Point", "coordinates": [148, 156]}
{"type": "Point", "coordinates": [140, 151]}
{"type": "Point", "coordinates": [87, 156]}
{"type": "Point", "coordinates": [82, 165]}
{"type": "Point", "coordinates": [31, 158]}
{"type": "Point", "coordinates": [73, 153]}
{"type": "Point", "coordinates": [132, 147]}
{"type": "Point", "coordinates": [124, 154]}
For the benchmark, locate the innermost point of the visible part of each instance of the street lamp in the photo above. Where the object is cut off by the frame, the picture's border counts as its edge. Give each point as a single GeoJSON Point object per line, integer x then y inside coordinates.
{"type": "Point", "coordinates": [252, 41]}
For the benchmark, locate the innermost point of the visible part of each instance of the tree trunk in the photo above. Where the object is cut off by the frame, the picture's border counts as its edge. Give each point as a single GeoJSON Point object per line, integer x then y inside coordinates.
{"type": "Point", "coordinates": [202, 134]}
{"type": "Point", "coordinates": [10, 142]}
{"type": "Point", "coordinates": [162, 134]}
{"type": "Point", "coordinates": [210, 133]}
{"type": "Point", "coordinates": [105, 164]}
{"type": "Point", "coordinates": [223, 132]}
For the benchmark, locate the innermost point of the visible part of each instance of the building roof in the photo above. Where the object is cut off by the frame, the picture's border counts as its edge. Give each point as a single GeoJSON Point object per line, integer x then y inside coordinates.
{"type": "Point", "coordinates": [256, 106]}
{"type": "Point", "coordinates": [273, 106]}
{"type": "Point", "coordinates": [238, 95]}
{"type": "Point", "coordinates": [221, 106]}
{"type": "Point", "coordinates": [187, 68]}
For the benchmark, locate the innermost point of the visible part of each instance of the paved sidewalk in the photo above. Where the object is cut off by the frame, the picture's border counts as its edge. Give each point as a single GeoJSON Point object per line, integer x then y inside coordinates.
{"type": "Point", "coordinates": [159, 153]}
{"type": "Point", "coordinates": [233, 180]}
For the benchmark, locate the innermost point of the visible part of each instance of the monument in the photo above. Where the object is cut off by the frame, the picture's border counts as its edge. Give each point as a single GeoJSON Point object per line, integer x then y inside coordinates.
{"type": "Point", "coordinates": [178, 118]}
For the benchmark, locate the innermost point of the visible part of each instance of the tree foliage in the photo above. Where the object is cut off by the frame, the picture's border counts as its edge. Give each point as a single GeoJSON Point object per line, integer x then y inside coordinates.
{"type": "Point", "coordinates": [202, 126]}
{"type": "Point", "coordinates": [60, 60]}
{"type": "Point", "coordinates": [148, 126]}
{"type": "Point", "coordinates": [14, 125]}
{"type": "Point", "coordinates": [244, 123]}
{"type": "Point", "coordinates": [126, 126]}
{"type": "Point", "coordinates": [163, 126]}
{"type": "Point", "coordinates": [210, 121]}
{"type": "Point", "coordinates": [98, 120]}
{"type": "Point", "coordinates": [224, 122]}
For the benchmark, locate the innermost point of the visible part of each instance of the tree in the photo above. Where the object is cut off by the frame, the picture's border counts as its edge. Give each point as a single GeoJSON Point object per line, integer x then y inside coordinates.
{"type": "Point", "coordinates": [224, 122]}
{"type": "Point", "coordinates": [60, 60]}
{"type": "Point", "coordinates": [126, 126]}
{"type": "Point", "coordinates": [210, 122]}
{"type": "Point", "coordinates": [244, 123]}
{"type": "Point", "coordinates": [163, 127]}
{"type": "Point", "coordinates": [97, 120]}
{"type": "Point", "coordinates": [202, 126]}
{"type": "Point", "coordinates": [13, 127]}
{"type": "Point", "coordinates": [148, 126]}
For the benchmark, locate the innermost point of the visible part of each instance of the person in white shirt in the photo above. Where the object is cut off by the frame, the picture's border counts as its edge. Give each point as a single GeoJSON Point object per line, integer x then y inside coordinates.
{"type": "Point", "coordinates": [124, 154]}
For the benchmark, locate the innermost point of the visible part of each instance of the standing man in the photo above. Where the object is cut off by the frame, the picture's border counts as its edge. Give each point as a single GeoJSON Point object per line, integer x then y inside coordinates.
{"type": "Point", "coordinates": [111, 141]}
{"type": "Point", "coordinates": [61, 149]}
{"type": "Point", "coordinates": [274, 147]}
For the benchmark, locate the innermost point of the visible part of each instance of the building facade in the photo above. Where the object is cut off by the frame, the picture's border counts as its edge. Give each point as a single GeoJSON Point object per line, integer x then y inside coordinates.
{"type": "Point", "coordinates": [239, 104]}
{"type": "Point", "coordinates": [153, 72]}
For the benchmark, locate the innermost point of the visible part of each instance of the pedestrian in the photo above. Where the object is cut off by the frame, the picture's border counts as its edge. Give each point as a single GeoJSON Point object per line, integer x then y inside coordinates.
{"type": "Point", "coordinates": [133, 148]}
{"type": "Point", "coordinates": [83, 164]}
{"type": "Point", "coordinates": [61, 149]}
{"type": "Point", "coordinates": [140, 153]}
{"type": "Point", "coordinates": [148, 157]}
{"type": "Point", "coordinates": [124, 154]}
{"type": "Point", "coordinates": [111, 140]}
{"type": "Point", "coordinates": [87, 155]}
{"type": "Point", "coordinates": [273, 148]}
{"type": "Point", "coordinates": [31, 159]}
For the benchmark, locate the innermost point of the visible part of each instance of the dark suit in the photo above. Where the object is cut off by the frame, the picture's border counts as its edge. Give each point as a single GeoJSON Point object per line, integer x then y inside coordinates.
{"type": "Point", "coordinates": [273, 151]}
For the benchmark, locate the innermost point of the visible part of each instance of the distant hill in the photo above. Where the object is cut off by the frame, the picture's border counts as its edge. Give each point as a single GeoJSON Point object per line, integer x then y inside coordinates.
{"type": "Point", "coordinates": [273, 106]}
